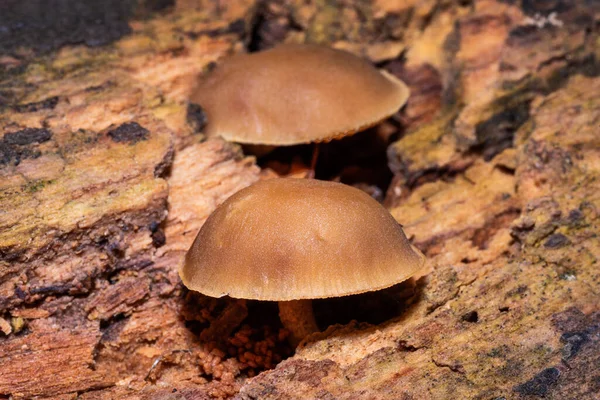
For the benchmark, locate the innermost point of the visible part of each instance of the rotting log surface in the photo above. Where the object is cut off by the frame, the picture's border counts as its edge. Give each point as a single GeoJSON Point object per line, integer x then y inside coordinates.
{"type": "Point", "coordinates": [105, 180]}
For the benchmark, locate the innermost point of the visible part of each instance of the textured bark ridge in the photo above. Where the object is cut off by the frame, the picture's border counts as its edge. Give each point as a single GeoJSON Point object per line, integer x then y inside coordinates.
{"type": "Point", "coordinates": [105, 178]}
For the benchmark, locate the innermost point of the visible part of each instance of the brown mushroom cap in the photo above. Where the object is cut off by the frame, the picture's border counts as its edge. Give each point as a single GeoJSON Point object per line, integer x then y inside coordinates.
{"type": "Point", "coordinates": [296, 94]}
{"type": "Point", "coordinates": [288, 239]}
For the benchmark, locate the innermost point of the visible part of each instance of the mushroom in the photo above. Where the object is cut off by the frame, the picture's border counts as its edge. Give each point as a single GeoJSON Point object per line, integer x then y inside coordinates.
{"type": "Point", "coordinates": [292, 240]}
{"type": "Point", "coordinates": [295, 94]}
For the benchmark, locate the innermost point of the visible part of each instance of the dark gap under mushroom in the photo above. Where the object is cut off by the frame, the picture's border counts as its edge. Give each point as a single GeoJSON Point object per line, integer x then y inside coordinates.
{"type": "Point", "coordinates": [359, 160]}
{"type": "Point", "coordinates": [260, 336]}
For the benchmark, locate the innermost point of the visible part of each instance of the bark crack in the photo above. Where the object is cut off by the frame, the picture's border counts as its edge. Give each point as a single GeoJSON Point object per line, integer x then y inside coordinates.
{"type": "Point", "coordinates": [454, 296]}
{"type": "Point", "coordinates": [459, 369]}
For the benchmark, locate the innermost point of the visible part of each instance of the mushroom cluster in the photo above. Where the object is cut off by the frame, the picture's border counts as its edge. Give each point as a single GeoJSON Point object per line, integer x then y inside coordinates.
{"type": "Point", "coordinates": [293, 240]}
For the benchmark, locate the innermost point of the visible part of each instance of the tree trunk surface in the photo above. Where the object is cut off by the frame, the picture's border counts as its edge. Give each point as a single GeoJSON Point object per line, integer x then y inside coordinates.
{"type": "Point", "coordinates": [106, 177]}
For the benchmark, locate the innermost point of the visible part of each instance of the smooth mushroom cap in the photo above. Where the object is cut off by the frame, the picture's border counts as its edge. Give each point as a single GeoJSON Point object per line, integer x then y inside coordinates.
{"type": "Point", "coordinates": [289, 239]}
{"type": "Point", "coordinates": [296, 94]}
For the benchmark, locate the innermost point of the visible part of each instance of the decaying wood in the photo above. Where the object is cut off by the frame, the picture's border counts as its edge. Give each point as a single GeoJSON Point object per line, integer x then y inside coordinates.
{"type": "Point", "coordinates": [105, 178]}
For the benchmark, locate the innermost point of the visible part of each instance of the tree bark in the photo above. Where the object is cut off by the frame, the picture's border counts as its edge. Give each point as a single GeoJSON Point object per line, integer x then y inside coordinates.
{"type": "Point", "coordinates": [105, 179]}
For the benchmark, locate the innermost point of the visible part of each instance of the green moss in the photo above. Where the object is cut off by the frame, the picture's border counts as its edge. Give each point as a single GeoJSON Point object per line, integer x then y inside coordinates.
{"type": "Point", "coordinates": [325, 27]}
{"type": "Point", "coordinates": [34, 186]}
{"type": "Point", "coordinates": [432, 142]}
{"type": "Point", "coordinates": [499, 352]}
{"type": "Point", "coordinates": [17, 323]}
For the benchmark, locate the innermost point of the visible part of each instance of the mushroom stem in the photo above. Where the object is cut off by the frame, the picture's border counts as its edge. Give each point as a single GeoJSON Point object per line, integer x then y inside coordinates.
{"type": "Point", "coordinates": [298, 318]}
{"type": "Point", "coordinates": [313, 162]}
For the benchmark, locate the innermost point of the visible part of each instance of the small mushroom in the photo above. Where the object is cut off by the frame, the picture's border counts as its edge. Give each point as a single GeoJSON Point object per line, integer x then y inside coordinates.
{"type": "Point", "coordinates": [294, 94]}
{"type": "Point", "coordinates": [292, 240]}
